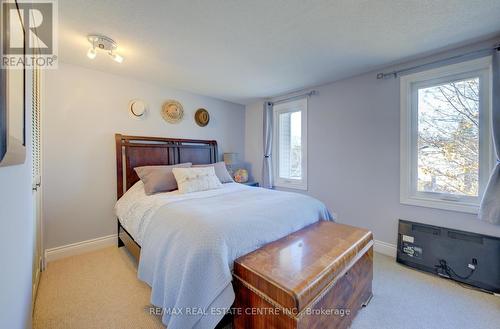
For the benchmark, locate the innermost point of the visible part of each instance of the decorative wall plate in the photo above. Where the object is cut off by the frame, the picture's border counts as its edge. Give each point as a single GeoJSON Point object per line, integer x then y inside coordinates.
{"type": "Point", "coordinates": [137, 108]}
{"type": "Point", "coordinates": [202, 117]}
{"type": "Point", "coordinates": [172, 111]}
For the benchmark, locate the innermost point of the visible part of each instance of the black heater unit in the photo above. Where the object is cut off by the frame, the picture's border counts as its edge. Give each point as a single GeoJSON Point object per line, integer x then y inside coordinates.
{"type": "Point", "coordinates": [466, 257]}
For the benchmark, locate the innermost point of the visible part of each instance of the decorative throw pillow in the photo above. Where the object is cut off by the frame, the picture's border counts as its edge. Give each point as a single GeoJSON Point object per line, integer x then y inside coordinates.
{"type": "Point", "coordinates": [159, 178]}
{"type": "Point", "coordinates": [220, 171]}
{"type": "Point", "coordinates": [196, 179]}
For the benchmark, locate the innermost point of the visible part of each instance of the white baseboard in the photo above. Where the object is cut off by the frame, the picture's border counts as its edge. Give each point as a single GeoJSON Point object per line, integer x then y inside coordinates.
{"type": "Point", "coordinates": [385, 248]}
{"type": "Point", "coordinates": [79, 248]}
{"type": "Point", "coordinates": [110, 240]}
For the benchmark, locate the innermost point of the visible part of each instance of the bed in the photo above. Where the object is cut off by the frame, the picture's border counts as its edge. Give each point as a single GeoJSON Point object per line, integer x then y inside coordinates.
{"type": "Point", "coordinates": [186, 243]}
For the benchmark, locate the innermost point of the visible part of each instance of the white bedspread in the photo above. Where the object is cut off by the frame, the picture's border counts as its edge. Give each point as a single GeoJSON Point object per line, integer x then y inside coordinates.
{"type": "Point", "coordinates": [189, 242]}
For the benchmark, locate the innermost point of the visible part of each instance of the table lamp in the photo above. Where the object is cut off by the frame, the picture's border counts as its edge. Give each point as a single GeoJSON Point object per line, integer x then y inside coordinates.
{"type": "Point", "coordinates": [230, 159]}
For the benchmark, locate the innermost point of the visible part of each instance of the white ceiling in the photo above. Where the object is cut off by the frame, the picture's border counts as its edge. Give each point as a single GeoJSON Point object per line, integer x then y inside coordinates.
{"type": "Point", "coordinates": [240, 50]}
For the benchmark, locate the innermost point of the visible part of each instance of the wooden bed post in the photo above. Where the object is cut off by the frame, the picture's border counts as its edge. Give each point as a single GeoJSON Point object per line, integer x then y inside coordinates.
{"type": "Point", "coordinates": [119, 166]}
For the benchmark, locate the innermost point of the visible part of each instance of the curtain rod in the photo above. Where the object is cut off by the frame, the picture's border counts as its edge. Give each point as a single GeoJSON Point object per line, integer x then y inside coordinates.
{"type": "Point", "coordinates": [394, 74]}
{"type": "Point", "coordinates": [308, 94]}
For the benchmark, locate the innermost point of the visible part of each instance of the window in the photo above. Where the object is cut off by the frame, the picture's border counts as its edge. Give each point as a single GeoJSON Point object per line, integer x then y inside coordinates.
{"type": "Point", "coordinates": [446, 149]}
{"type": "Point", "coordinates": [290, 144]}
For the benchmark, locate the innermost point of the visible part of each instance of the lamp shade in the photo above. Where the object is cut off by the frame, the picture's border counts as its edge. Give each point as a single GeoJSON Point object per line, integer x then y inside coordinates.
{"type": "Point", "coordinates": [230, 158]}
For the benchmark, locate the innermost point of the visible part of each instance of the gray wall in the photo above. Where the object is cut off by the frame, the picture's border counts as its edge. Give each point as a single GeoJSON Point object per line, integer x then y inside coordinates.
{"type": "Point", "coordinates": [16, 243]}
{"type": "Point", "coordinates": [83, 110]}
{"type": "Point", "coordinates": [353, 156]}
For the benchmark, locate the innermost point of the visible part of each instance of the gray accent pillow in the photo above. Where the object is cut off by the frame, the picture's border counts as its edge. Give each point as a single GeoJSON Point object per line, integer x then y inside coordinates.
{"type": "Point", "coordinates": [159, 178]}
{"type": "Point", "coordinates": [220, 171]}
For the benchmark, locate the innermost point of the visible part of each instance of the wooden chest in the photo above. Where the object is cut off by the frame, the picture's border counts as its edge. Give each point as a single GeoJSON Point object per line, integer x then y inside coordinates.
{"type": "Point", "coordinates": [318, 277]}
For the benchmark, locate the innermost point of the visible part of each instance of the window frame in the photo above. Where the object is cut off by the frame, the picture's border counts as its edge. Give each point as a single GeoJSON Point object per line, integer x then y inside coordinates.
{"type": "Point", "coordinates": [409, 85]}
{"type": "Point", "coordinates": [288, 107]}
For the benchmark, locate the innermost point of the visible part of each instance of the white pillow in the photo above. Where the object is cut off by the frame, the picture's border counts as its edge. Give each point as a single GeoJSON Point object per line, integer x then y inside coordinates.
{"type": "Point", "coordinates": [196, 179]}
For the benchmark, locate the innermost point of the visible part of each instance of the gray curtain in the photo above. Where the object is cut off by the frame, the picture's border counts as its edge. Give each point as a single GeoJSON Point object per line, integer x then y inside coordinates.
{"type": "Point", "coordinates": [490, 205]}
{"type": "Point", "coordinates": [267, 166]}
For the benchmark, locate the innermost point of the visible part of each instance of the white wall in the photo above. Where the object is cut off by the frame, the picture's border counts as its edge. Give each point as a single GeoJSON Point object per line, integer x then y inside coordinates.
{"type": "Point", "coordinates": [83, 110]}
{"type": "Point", "coordinates": [16, 242]}
{"type": "Point", "coordinates": [16, 221]}
{"type": "Point", "coordinates": [353, 157]}
{"type": "Point", "coordinates": [254, 140]}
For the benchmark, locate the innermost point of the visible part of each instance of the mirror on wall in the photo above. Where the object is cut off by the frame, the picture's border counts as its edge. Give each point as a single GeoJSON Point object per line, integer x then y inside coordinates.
{"type": "Point", "coordinates": [12, 106]}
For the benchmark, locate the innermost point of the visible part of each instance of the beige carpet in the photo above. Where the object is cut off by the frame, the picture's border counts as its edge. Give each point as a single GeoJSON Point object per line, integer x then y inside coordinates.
{"type": "Point", "coordinates": [100, 290]}
{"type": "Point", "coordinates": [96, 290]}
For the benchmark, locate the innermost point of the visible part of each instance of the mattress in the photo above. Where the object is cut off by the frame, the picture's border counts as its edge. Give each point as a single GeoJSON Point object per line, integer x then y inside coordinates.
{"type": "Point", "coordinates": [135, 208]}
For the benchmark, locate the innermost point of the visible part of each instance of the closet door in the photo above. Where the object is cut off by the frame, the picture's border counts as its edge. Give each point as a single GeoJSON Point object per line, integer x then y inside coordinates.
{"type": "Point", "coordinates": [36, 156]}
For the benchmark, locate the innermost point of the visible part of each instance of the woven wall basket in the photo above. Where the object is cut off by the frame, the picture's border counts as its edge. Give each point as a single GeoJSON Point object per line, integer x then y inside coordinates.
{"type": "Point", "coordinates": [172, 111]}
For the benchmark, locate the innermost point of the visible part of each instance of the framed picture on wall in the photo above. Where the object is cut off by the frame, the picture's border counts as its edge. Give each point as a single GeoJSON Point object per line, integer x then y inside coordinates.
{"type": "Point", "coordinates": [13, 102]}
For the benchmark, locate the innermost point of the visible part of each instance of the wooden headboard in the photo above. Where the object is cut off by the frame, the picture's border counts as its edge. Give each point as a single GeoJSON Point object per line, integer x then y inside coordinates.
{"type": "Point", "coordinates": [136, 151]}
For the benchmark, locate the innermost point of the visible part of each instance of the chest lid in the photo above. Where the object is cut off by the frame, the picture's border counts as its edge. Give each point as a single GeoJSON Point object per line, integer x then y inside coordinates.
{"type": "Point", "coordinates": [294, 270]}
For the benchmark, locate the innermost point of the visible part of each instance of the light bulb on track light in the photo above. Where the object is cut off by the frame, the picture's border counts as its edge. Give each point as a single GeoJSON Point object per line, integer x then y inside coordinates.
{"type": "Point", "coordinates": [117, 58]}
{"type": "Point", "coordinates": [91, 53]}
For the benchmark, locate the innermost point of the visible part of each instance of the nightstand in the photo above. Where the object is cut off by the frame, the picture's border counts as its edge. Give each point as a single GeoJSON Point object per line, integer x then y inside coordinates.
{"type": "Point", "coordinates": [254, 184]}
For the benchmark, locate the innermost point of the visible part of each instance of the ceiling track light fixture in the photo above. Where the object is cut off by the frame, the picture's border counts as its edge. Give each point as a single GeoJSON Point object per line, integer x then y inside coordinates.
{"type": "Point", "coordinates": [104, 43]}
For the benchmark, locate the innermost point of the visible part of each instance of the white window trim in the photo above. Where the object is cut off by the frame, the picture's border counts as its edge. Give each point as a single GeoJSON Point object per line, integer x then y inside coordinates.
{"type": "Point", "coordinates": [291, 106]}
{"type": "Point", "coordinates": [408, 192]}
